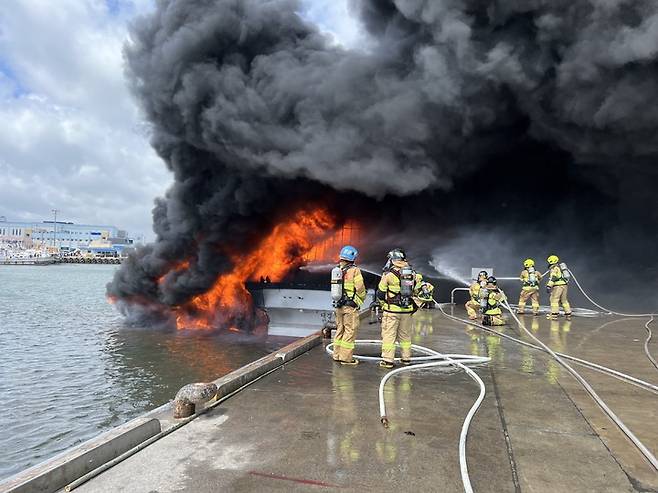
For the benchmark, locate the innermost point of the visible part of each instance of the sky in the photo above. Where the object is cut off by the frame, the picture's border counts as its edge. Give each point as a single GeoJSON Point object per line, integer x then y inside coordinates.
{"type": "Point", "coordinates": [72, 136]}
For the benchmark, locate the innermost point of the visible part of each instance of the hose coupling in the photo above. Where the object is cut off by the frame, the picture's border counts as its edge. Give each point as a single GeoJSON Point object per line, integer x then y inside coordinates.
{"type": "Point", "coordinates": [385, 422]}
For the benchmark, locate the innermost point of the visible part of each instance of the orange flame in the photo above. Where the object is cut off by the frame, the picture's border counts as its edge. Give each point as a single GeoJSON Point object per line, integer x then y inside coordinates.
{"type": "Point", "coordinates": [327, 250]}
{"type": "Point", "coordinates": [177, 267]}
{"type": "Point", "coordinates": [286, 247]}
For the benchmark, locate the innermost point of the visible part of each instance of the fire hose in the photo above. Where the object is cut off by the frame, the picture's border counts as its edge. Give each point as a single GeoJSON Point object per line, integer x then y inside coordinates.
{"type": "Point", "coordinates": [589, 364]}
{"type": "Point", "coordinates": [457, 360]}
{"type": "Point", "coordinates": [646, 343]}
{"type": "Point", "coordinates": [607, 310]}
{"type": "Point", "coordinates": [583, 362]}
{"type": "Point", "coordinates": [620, 424]}
{"type": "Point", "coordinates": [630, 315]}
{"type": "Point", "coordinates": [557, 356]}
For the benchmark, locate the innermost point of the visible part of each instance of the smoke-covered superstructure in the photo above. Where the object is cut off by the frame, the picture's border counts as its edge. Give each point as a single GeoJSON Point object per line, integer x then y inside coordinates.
{"type": "Point", "coordinates": [536, 120]}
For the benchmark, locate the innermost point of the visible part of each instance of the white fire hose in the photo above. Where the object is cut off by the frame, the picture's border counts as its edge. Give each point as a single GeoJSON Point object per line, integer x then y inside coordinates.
{"type": "Point", "coordinates": [636, 441]}
{"type": "Point", "coordinates": [607, 310]}
{"type": "Point", "coordinates": [459, 360]}
{"type": "Point", "coordinates": [456, 360]}
{"type": "Point", "coordinates": [630, 315]}
{"type": "Point", "coordinates": [646, 343]}
{"type": "Point", "coordinates": [620, 424]}
{"type": "Point", "coordinates": [583, 362]}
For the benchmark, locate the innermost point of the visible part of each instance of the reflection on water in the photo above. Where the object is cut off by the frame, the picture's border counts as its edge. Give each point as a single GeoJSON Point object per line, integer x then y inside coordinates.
{"type": "Point", "coordinates": [398, 392]}
{"type": "Point", "coordinates": [150, 366]}
{"type": "Point", "coordinates": [486, 344]}
{"type": "Point", "coordinates": [347, 445]}
{"type": "Point", "coordinates": [555, 334]}
{"type": "Point", "coordinates": [70, 369]}
{"type": "Point", "coordinates": [423, 325]}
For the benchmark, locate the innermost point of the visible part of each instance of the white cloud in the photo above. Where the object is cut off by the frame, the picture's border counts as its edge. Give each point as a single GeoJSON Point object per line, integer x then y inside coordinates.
{"type": "Point", "coordinates": [335, 18]}
{"type": "Point", "coordinates": [70, 136]}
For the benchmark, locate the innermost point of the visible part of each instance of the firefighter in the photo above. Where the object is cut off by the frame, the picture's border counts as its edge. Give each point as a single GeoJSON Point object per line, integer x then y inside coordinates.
{"type": "Point", "coordinates": [347, 306]}
{"type": "Point", "coordinates": [425, 295]}
{"type": "Point", "coordinates": [395, 292]}
{"type": "Point", "coordinates": [473, 305]}
{"type": "Point", "coordinates": [493, 315]}
{"type": "Point", "coordinates": [529, 287]}
{"type": "Point", "coordinates": [558, 278]}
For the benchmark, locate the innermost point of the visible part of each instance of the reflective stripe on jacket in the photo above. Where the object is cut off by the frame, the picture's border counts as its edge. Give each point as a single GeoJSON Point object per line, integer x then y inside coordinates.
{"type": "Point", "coordinates": [353, 286]}
{"type": "Point", "coordinates": [493, 303]}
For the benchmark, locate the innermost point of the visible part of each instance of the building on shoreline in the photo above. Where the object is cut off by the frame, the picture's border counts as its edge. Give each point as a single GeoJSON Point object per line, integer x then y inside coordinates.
{"type": "Point", "coordinates": [63, 236]}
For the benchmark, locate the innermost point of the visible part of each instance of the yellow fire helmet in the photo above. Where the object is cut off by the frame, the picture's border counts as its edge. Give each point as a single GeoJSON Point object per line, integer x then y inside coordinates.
{"type": "Point", "coordinates": [527, 263]}
{"type": "Point", "coordinates": [552, 260]}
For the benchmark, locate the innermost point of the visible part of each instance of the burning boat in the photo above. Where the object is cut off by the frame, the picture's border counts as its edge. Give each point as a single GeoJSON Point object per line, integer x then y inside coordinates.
{"type": "Point", "coordinates": [282, 282]}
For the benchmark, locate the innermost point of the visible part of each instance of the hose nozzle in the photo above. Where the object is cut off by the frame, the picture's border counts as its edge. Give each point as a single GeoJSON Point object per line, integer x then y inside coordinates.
{"type": "Point", "coordinates": [385, 422]}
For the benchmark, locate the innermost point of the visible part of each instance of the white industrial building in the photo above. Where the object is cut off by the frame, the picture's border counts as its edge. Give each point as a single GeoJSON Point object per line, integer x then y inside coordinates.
{"type": "Point", "coordinates": [63, 236]}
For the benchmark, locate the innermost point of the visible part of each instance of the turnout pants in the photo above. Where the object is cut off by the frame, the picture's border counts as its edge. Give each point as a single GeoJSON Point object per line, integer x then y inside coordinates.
{"type": "Point", "coordinates": [472, 308]}
{"type": "Point", "coordinates": [396, 327]}
{"type": "Point", "coordinates": [559, 297]}
{"type": "Point", "coordinates": [347, 325]}
{"type": "Point", "coordinates": [532, 294]}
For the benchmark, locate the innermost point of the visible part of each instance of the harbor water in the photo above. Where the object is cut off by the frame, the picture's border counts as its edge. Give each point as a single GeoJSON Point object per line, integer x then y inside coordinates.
{"type": "Point", "coordinates": [70, 368]}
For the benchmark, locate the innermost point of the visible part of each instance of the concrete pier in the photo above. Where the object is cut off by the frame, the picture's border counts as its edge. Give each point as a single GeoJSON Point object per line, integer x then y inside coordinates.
{"type": "Point", "coordinates": [313, 424]}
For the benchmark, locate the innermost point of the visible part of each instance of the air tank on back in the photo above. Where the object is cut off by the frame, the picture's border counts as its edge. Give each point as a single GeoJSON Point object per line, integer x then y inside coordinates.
{"type": "Point", "coordinates": [336, 284]}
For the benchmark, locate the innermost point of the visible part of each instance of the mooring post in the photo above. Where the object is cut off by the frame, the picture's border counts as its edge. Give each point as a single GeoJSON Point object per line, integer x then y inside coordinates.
{"type": "Point", "coordinates": [189, 396]}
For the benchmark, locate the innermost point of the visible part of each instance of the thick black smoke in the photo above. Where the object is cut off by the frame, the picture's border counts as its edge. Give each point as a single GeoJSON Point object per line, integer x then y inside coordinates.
{"type": "Point", "coordinates": [463, 122]}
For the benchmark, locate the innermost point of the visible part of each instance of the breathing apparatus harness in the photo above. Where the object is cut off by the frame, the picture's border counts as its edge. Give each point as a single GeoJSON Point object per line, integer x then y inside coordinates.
{"type": "Point", "coordinates": [339, 297]}
{"type": "Point", "coordinates": [491, 301]}
{"type": "Point", "coordinates": [562, 279]}
{"type": "Point", "coordinates": [425, 293]}
{"type": "Point", "coordinates": [407, 278]}
{"type": "Point", "coordinates": [483, 295]}
{"type": "Point", "coordinates": [531, 281]}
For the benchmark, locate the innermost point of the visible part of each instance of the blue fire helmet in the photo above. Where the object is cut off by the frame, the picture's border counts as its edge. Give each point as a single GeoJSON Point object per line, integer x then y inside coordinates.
{"type": "Point", "coordinates": [348, 253]}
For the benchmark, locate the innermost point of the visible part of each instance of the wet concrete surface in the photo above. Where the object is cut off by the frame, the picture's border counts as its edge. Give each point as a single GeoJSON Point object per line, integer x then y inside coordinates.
{"type": "Point", "coordinates": [315, 425]}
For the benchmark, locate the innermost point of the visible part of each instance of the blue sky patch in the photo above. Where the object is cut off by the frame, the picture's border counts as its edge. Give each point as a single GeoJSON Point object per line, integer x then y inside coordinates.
{"type": "Point", "coordinates": [113, 6]}
{"type": "Point", "coordinates": [9, 73]}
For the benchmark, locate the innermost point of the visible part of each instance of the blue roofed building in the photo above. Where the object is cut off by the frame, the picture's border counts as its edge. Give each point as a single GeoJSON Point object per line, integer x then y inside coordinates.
{"type": "Point", "coordinates": [65, 236]}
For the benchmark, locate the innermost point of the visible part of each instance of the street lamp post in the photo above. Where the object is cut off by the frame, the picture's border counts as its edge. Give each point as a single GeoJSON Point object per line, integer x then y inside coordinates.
{"type": "Point", "coordinates": [54, 211]}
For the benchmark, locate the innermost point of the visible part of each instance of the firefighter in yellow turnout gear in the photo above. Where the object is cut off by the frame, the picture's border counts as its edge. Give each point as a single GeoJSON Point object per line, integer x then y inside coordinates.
{"type": "Point", "coordinates": [350, 298]}
{"type": "Point", "coordinates": [558, 278]}
{"type": "Point", "coordinates": [425, 293]}
{"type": "Point", "coordinates": [473, 305]}
{"type": "Point", "coordinates": [493, 315]}
{"type": "Point", "coordinates": [530, 287]}
{"type": "Point", "coordinates": [395, 292]}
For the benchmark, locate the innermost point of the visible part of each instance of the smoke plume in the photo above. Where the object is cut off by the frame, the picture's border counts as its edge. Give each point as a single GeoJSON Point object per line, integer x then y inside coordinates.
{"type": "Point", "coordinates": [533, 122]}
